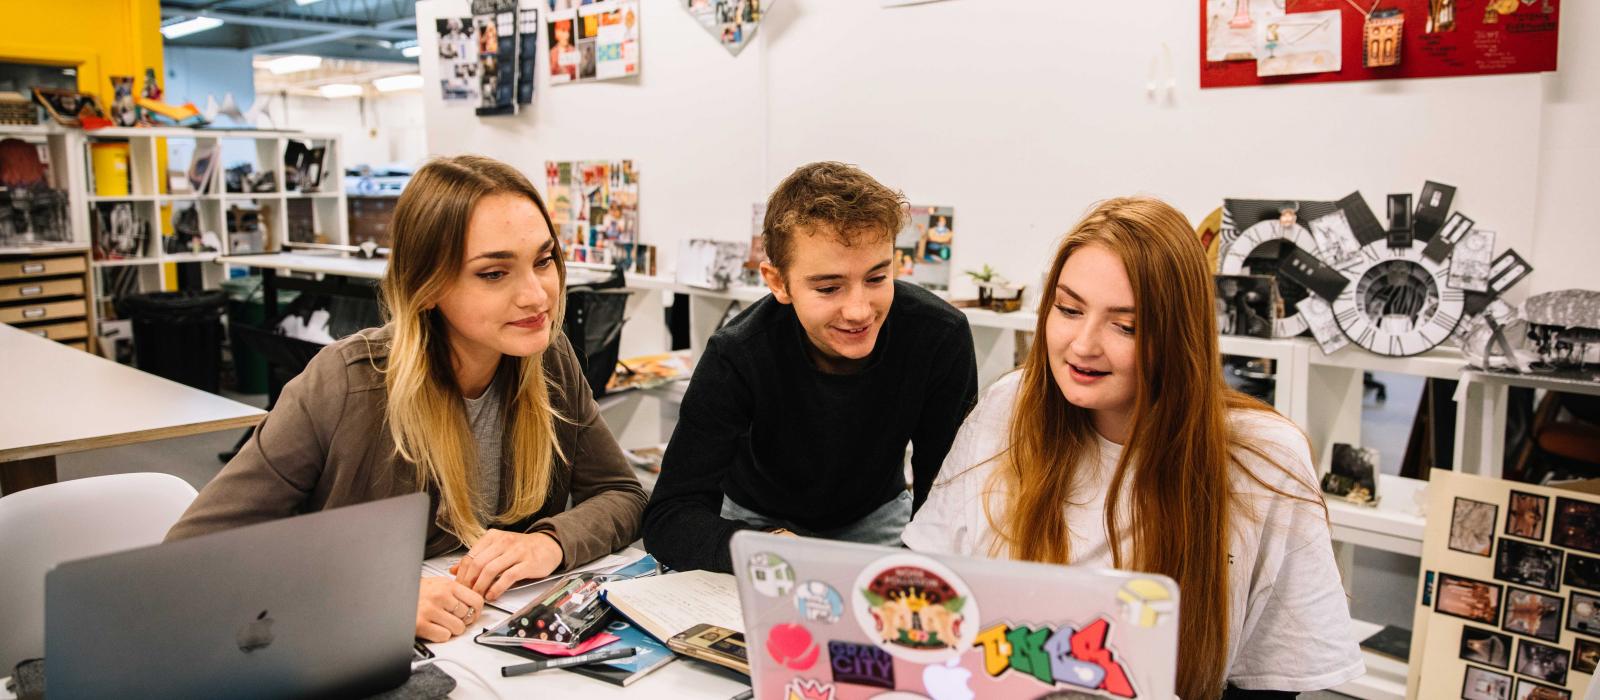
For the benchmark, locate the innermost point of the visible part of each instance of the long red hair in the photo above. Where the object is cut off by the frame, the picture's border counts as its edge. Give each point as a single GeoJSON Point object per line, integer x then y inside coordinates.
{"type": "Point", "coordinates": [1183, 505]}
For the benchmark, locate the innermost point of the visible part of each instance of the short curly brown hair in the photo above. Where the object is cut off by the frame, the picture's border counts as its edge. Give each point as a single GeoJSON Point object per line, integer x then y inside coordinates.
{"type": "Point", "coordinates": [833, 198]}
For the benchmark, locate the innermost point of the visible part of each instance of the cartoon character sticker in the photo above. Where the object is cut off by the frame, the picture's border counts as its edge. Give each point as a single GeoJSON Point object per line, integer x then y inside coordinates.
{"type": "Point", "coordinates": [915, 608]}
{"type": "Point", "coordinates": [770, 574]}
{"type": "Point", "coordinates": [818, 602]}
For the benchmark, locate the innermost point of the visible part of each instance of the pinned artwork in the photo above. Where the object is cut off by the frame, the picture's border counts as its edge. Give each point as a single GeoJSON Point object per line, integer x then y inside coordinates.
{"type": "Point", "coordinates": [593, 40]}
{"type": "Point", "coordinates": [1231, 27]}
{"type": "Point", "coordinates": [915, 608]}
{"type": "Point", "coordinates": [458, 60]}
{"type": "Point", "coordinates": [711, 264]}
{"type": "Point", "coordinates": [595, 208]}
{"type": "Point", "coordinates": [494, 22]}
{"type": "Point", "coordinates": [924, 245]}
{"type": "Point", "coordinates": [732, 22]}
{"type": "Point", "coordinates": [1298, 43]}
{"type": "Point", "coordinates": [1380, 38]}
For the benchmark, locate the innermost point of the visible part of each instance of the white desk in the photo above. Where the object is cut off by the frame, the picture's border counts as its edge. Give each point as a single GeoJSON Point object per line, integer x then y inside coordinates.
{"type": "Point", "coordinates": [684, 678]}
{"type": "Point", "coordinates": [55, 400]}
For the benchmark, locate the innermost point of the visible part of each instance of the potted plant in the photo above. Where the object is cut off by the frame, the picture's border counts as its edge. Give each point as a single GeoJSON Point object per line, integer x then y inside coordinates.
{"type": "Point", "coordinates": [985, 279]}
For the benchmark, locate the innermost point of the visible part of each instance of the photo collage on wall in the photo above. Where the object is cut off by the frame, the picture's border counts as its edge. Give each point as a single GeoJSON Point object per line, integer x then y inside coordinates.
{"type": "Point", "coordinates": [593, 40]}
{"type": "Point", "coordinates": [923, 247]}
{"type": "Point", "coordinates": [595, 208]}
{"type": "Point", "coordinates": [458, 60]}
{"type": "Point", "coordinates": [1510, 599]}
{"type": "Point", "coordinates": [732, 22]}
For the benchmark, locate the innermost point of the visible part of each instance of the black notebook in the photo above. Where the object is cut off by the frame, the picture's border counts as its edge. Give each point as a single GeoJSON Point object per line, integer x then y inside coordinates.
{"type": "Point", "coordinates": [1390, 641]}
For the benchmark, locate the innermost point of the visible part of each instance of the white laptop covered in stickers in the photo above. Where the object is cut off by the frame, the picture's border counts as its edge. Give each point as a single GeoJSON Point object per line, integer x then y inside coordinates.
{"type": "Point", "coordinates": [841, 621]}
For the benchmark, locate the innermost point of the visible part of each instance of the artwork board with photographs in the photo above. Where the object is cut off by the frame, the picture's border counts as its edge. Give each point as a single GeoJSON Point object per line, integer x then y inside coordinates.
{"type": "Point", "coordinates": [1509, 600]}
{"type": "Point", "coordinates": [595, 208]}
{"type": "Point", "coordinates": [592, 41]}
{"type": "Point", "coordinates": [709, 264]}
{"type": "Point", "coordinates": [924, 246]}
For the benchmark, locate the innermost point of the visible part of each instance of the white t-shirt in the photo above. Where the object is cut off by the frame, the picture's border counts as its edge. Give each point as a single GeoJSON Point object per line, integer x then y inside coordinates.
{"type": "Point", "coordinates": [1288, 616]}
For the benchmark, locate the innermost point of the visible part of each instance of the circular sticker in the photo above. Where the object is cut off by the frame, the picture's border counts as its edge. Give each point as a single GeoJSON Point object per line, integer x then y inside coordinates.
{"type": "Point", "coordinates": [818, 602]}
{"type": "Point", "coordinates": [915, 608]}
{"type": "Point", "coordinates": [770, 575]}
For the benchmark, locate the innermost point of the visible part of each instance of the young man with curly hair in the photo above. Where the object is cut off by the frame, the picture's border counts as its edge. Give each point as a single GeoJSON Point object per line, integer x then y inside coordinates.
{"type": "Point", "coordinates": [800, 409]}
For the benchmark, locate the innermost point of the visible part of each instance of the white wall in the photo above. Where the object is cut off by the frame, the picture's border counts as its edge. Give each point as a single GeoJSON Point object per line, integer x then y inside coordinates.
{"type": "Point", "coordinates": [1021, 119]}
{"type": "Point", "coordinates": [374, 130]}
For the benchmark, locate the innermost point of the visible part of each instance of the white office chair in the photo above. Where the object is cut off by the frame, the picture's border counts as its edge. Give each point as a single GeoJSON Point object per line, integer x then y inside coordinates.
{"type": "Point", "coordinates": [47, 525]}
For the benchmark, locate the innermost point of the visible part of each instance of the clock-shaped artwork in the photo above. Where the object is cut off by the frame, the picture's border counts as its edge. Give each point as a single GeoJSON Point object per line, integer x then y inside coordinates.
{"type": "Point", "coordinates": [1397, 303]}
{"type": "Point", "coordinates": [1235, 253]}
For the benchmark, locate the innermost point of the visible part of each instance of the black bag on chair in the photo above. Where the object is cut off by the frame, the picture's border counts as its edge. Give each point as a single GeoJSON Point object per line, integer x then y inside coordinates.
{"type": "Point", "coordinates": [593, 323]}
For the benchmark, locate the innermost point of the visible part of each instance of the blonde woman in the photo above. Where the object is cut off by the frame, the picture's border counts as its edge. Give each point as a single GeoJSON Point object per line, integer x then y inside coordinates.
{"type": "Point", "coordinates": [469, 393]}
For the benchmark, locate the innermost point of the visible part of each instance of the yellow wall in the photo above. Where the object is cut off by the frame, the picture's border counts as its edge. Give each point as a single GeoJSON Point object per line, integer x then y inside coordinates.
{"type": "Point", "coordinates": [101, 37]}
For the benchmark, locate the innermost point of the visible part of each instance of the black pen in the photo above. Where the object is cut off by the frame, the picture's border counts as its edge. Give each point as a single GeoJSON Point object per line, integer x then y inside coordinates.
{"type": "Point", "coordinates": [579, 660]}
{"type": "Point", "coordinates": [746, 695]}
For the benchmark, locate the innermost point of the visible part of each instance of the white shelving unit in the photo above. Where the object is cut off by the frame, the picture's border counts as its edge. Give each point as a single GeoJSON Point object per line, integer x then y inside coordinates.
{"type": "Point", "coordinates": [159, 156]}
{"type": "Point", "coordinates": [66, 173]}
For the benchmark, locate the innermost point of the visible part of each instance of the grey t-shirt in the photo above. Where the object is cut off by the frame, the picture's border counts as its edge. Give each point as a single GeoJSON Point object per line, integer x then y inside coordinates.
{"type": "Point", "coordinates": [485, 419]}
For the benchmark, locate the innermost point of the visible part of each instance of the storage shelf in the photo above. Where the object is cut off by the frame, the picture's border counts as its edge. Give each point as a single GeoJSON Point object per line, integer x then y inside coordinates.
{"type": "Point", "coordinates": [1385, 678]}
{"type": "Point", "coordinates": [1015, 320]}
{"type": "Point", "coordinates": [1394, 525]}
{"type": "Point", "coordinates": [126, 262]}
{"type": "Point", "coordinates": [1439, 363]}
{"type": "Point", "coordinates": [95, 198]}
{"type": "Point", "coordinates": [189, 257]}
{"type": "Point", "coordinates": [44, 248]}
{"type": "Point", "coordinates": [30, 130]}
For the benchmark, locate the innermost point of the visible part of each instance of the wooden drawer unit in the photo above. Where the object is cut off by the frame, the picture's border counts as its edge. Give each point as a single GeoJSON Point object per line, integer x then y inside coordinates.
{"type": "Point", "coordinates": [43, 311]}
{"type": "Point", "coordinates": [41, 289]}
{"type": "Point", "coordinates": [47, 294]}
{"type": "Point", "coordinates": [67, 330]}
{"type": "Point", "coordinates": [43, 267]}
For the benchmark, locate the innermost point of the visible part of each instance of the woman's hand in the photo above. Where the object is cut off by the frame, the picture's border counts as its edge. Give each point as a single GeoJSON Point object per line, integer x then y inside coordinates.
{"type": "Point", "coordinates": [500, 559]}
{"type": "Point", "coordinates": [445, 609]}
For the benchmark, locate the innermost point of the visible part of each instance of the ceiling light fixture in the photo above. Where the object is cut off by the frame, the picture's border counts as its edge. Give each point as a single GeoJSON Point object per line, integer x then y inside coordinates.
{"type": "Point", "coordinates": [411, 51]}
{"type": "Point", "coordinates": [336, 90]}
{"type": "Point", "coordinates": [293, 64]}
{"type": "Point", "coordinates": [409, 81]}
{"type": "Point", "coordinates": [185, 27]}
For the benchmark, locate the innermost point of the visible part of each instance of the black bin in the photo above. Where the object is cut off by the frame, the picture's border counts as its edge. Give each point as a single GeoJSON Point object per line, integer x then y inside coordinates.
{"type": "Point", "coordinates": [178, 335]}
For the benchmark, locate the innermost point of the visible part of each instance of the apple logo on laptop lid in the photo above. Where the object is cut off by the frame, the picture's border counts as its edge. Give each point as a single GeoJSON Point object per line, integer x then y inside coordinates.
{"type": "Point", "coordinates": [256, 634]}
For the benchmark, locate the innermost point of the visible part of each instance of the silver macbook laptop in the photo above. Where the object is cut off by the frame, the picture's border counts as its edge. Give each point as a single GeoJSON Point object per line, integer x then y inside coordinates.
{"type": "Point", "coordinates": [846, 621]}
{"type": "Point", "coordinates": [320, 605]}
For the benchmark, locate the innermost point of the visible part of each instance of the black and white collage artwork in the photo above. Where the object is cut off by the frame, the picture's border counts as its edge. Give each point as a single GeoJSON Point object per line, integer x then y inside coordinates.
{"type": "Point", "coordinates": [1343, 276]}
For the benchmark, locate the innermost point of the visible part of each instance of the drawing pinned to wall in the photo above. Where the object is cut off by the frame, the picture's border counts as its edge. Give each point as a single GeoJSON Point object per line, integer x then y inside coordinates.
{"type": "Point", "coordinates": [924, 245]}
{"type": "Point", "coordinates": [458, 60]}
{"type": "Point", "coordinates": [732, 22]}
{"type": "Point", "coordinates": [593, 41]}
{"type": "Point", "coordinates": [595, 208]}
{"type": "Point", "coordinates": [1232, 25]}
{"type": "Point", "coordinates": [1304, 42]}
{"type": "Point", "coordinates": [496, 26]}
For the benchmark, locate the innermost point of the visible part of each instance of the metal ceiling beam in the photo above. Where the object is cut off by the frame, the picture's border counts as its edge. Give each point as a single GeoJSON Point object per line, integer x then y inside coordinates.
{"type": "Point", "coordinates": [322, 27]}
{"type": "Point", "coordinates": [331, 36]}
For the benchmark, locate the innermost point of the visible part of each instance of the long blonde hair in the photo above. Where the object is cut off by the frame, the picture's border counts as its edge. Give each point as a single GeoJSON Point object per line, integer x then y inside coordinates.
{"type": "Point", "coordinates": [425, 409]}
{"type": "Point", "coordinates": [1184, 502]}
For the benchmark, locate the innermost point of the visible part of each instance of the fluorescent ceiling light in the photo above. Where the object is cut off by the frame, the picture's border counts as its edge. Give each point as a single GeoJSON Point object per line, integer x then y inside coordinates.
{"type": "Point", "coordinates": [293, 64]}
{"type": "Point", "coordinates": [340, 90]}
{"type": "Point", "coordinates": [306, 2]}
{"type": "Point", "coordinates": [411, 51]}
{"type": "Point", "coordinates": [409, 81]}
{"type": "Point", "coordinates": [190, 26]}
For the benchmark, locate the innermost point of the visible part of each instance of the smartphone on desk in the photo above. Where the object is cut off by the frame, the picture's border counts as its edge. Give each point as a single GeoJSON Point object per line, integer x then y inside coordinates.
{"type": "Point", "coordinates": [718, 645]}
